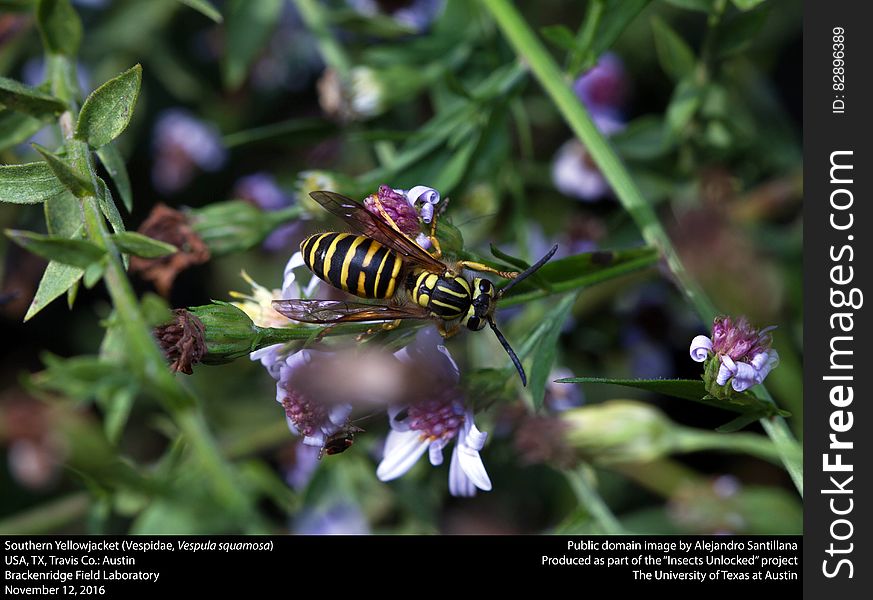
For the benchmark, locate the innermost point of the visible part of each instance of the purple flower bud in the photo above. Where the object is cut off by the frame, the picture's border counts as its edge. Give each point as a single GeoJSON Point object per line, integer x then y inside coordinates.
{"type": "Point", "coordinates": [604, 86]}
{"type": "Point", "coordinates": [417, 15]}
{"type": "Point", "coordinates": [396, 207]}
{"type": "Point", "coordinates": [262, 190]}
{"type": "Point", "coordinates": [744, 353]}
{"type": "Point", "coordinates": [182, 144]}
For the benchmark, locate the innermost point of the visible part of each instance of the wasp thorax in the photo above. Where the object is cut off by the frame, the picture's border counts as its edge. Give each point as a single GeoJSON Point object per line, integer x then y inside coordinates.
{"type": "Point", "coordinates": [482, 305]}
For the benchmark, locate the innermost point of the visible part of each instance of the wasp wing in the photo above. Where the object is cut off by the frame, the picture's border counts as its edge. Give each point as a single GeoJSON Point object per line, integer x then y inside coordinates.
{"type": "Point", "coordinates": [370, 225]}
{"type": "Point", "coordinates": [338, 311]}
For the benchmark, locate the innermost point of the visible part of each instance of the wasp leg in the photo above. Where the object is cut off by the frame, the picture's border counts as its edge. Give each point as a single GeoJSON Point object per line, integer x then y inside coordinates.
{"type": "Point", "coordinates": [475, 266]}
{"type": "Point", "coordinates": [373, 330]}
{"type": "Point", "coordinates": [447, 333]}
{"type": "Point", "coordinates": [437, 249]}
{"type": "Point", "coordinates": [324, 330]}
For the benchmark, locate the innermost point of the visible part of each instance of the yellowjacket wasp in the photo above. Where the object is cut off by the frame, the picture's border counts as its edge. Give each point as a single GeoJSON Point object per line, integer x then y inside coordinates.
{"type": "Point", "coordinates": [379, 262]}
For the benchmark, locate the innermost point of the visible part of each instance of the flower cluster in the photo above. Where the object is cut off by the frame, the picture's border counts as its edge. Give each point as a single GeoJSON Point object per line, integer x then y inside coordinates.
{"type": "Point", "coordinates": [737, 353]}
{"type": "Point", "coordinates": [431, 416]}
{"type": "Point", "coordinates": [602, 90]}
{"type": "Point", "coordinates": [404, 208]}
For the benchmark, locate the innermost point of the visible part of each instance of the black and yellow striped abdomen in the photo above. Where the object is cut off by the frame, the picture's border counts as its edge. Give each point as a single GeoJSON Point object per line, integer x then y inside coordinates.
{"type": "Point", "coordinates": [353, 263]}
{"type": "Point", "coordinates": [446, 297]}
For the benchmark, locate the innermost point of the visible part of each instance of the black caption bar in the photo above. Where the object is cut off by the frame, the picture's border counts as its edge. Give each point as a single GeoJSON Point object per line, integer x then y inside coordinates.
{"type": "Point", "coordinates": [115, 567]}
{"type": "Point", "coordinates": [838, 188]}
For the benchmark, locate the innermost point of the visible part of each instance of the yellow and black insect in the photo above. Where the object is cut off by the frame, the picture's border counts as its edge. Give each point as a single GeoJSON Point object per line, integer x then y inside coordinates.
{"type": "Point", "coordinates": [379, 262]}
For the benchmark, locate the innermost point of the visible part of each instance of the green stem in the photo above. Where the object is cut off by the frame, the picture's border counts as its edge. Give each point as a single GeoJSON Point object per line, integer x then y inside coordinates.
{"type": "Point", "coordinates": [693, 440]}
{"type": "Point", "coordinates": [146, 358]}
{"type": "Point", "coordinates": [534, 54]}
{"type": "Point", "coordinates": [331, 51]}
{"type": "Point", "coordinates": [47, 517]}
{"type": "Point", "coordinates": [591, 500]}
{"type": "Point", "coordinates": [664, 477]}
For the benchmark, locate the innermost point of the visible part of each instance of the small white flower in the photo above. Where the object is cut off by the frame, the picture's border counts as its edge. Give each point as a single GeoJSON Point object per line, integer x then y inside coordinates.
{"type": "Point", "coordinates": [428, 425]}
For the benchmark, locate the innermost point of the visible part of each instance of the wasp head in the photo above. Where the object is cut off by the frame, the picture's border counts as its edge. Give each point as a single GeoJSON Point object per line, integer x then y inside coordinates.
{"type": "Point", "coordinates": [482, 306]}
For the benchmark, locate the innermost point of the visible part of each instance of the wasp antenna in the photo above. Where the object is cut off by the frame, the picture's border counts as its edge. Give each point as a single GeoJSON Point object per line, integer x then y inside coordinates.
{"type": "Point", "coordinates": [510, 352]}
{"type": "Point", "coordinates": [529, 271]}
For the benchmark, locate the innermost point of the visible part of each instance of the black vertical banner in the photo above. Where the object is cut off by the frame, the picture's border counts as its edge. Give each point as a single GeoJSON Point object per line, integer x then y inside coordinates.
{"type": "Point", "coordinates": [838, 171]}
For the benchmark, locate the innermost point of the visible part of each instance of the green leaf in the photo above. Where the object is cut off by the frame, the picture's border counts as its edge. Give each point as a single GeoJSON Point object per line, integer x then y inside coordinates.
{"type": "Point", "coordinates": [694, 390]}
{"type": "Point", "coordinates": [581, 270]}
{"type": "Point", "coordinates": [155, 310]}
{"type": "Point", "coordinates": [107, 111]}
{"type": "Point", "coordinates": [249, 25]}
{"type": "Point", "coordinates": [17, 5]}
{"type": "Point", "coordinates": [141, 245]}
{"type": "Point", "coordinates": [93, 274]}
{"type": "Point", "coordinates": [747, 4]}
{"type": "Point", "coordinates": [63, 215]}
{"type": "Point", "coordinates": [108, 208]}
{"type": "Point", "coordinates": [16, 128]}
{"type": "Point", "coordinates": [643, 139]}
{"type": "Point", "coordinates": [547, 350]}
{"type": "Point", "coordinates": [617, 15]}
{"type": "Point", "coordinates": [113, 162]}
{"type": "Point", "coordinates": [76, 253]}
{"type": "Point", "coordinates": [57, 279]}
{"type": "Point", "coordinates": [74, 182]}
{"type": "Point", "coordinates": [30, 183]}
{"type": "Point", "coordinates": [28, 100]}
{"type": "Point", "coordinates": [676, 57]}
{"type": "Point", "coordinates": [560, 36]}
{"type": "Point", "coordinates": [60, 26]}
{"type": "Point", "coordinates": [737, 33]}
{"type": "Point", "coordinates": [687, 98]}
{"type": "Point", "coordinates": [700, 5]}
{"type": "Point", "coordinates": [204, 7]}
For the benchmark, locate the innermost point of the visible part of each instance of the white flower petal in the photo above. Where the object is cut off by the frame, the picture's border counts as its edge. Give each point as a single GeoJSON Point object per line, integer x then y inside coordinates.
{"type": "Point", "coordinates": [314, 440]}
{"type": "Point", "coordinates": [436, 454]}
{"type": "Point", "coordinates": [395, 423]}
{"type": "Point", "coordinates": [473, 467]}
{"type": "Point", "coordinates": [700, 348]}
{"type": "Point", "coordinates": [474, 438]}
{"type": "Point", "coordinates": [339, 413]}
{"type": "Point", "coordinates": [727, 370]}
{"type": "Point", "coordinates": [459, 483]}
{"type": "Point", "coordinates": [401, 454]}
{"type": "Point", "coordinates": [423, 193]}
{"type": "Point", "coordinates": [745, 377]}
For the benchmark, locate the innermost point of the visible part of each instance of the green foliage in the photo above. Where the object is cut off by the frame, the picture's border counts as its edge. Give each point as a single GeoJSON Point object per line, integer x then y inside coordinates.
{"type": "Point", "coordinates": [141, 245]}
{"type": "Point", "coordinates": [16, 127]}
{"type": "Point", "coordinates": [695, 390]}
{"type": "Point", "coordinates": [247, 30]}
{"type": "Point", "coordinates": [66, 174]}
{"type": "Point", "coordinates": [113, 162]}
{"type": "Point", "coordinates": [107, 111]}
{"type": "Point", "coordinates": [30, 183]}
{"type": "Point", "coordinates": [25, 99]}
{"type": "Point", "coordinates": [76, 253]}
{"type": "Point", "coordinates": [674, 54]}
{"type": "Point", "coordinates": [546, 350]}
{"type": "Point", "coordinates": [205, 8]}
{"type": "Point", "coordinates": [59, 26]}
